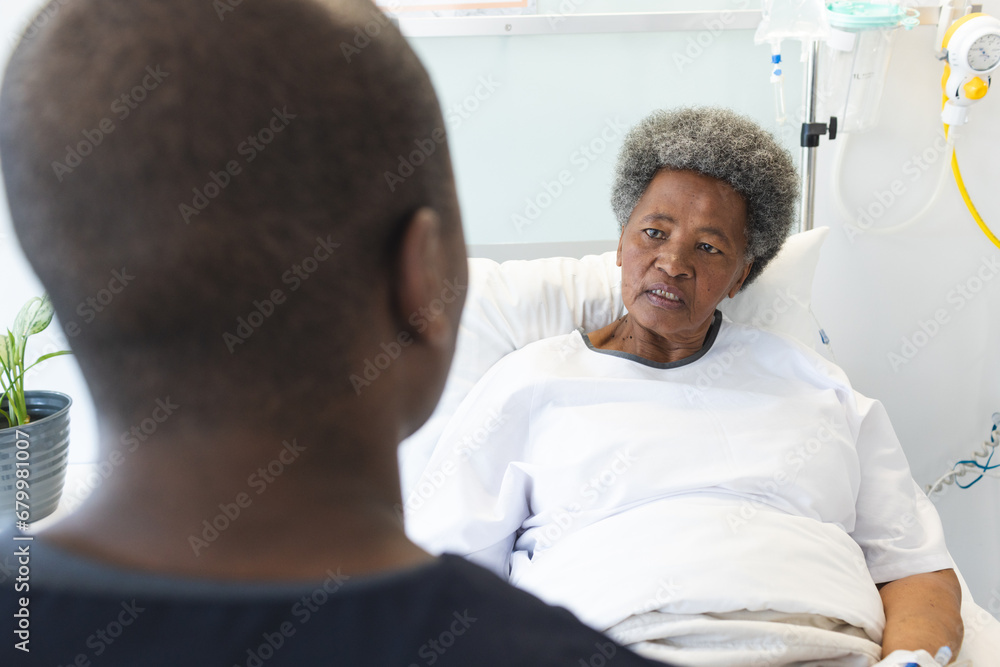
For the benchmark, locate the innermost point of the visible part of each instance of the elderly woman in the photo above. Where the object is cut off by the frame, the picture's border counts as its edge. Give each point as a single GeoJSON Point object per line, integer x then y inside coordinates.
{"type": "Point", "coordinates": [706, 493]}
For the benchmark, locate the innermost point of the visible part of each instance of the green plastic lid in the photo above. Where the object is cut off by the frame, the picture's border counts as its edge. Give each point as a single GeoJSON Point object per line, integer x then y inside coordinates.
{"type": "Point", "coordinates": [869, 15]}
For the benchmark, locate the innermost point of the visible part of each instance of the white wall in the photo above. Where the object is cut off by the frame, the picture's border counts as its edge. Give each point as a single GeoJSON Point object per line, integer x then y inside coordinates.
{"type": "Point", "coordinates": [552, 97]}
{"type": "Point", "coordinates": [556, 94]}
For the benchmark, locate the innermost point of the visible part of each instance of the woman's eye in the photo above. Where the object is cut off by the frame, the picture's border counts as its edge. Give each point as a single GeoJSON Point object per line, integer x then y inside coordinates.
{"type": "Point", "coordinates": [654, 233]}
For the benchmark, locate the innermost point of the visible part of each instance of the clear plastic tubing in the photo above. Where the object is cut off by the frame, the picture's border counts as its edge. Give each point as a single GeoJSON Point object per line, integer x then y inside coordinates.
{"type": "Point", "coordinates": [778, 83]}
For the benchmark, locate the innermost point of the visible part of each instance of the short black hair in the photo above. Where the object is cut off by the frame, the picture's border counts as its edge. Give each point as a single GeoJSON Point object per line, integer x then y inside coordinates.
{"type": "Point", "coordinates": [204, 153]}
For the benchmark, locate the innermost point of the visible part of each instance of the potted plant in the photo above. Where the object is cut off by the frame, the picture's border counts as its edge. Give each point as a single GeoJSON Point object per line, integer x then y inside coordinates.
{"type": "Point", "coordinates": [34, 426]}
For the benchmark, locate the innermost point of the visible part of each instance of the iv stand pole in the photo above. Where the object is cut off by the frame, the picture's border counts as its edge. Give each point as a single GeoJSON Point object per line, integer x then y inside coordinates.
{"type": "Point", "coordinates": [811, 131]}
{"type": "Point", "coordinates": [808, 162]}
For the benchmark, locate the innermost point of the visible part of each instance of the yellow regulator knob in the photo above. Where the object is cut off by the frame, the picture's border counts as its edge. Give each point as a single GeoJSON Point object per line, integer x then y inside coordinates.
{"type": "Point", "coordinates": [976, 88]}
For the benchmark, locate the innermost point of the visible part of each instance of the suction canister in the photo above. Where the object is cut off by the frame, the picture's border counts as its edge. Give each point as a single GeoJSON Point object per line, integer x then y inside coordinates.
{"type": "Point", "coordinates": [855, 59]}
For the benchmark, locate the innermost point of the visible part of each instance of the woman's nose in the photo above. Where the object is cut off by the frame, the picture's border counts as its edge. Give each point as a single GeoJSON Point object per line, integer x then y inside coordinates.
{"type": "Point", "coordinates": [675, 262]}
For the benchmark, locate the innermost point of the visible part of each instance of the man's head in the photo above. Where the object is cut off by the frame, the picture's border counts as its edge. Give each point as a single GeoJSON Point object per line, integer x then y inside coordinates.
{"type": "Point", "coordinates": [219, 202]}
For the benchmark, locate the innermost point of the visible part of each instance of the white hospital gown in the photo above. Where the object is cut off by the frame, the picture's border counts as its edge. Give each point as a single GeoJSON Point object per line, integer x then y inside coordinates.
{"type": "Point", "coordinates": [748, 477]}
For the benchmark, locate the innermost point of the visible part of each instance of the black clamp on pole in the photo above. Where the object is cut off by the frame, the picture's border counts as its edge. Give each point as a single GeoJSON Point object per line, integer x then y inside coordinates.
{"type": "Point", "coordinates": [812, 131]}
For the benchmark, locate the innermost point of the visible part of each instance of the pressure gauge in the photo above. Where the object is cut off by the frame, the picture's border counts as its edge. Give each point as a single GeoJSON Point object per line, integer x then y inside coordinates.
{"type": "Point", "coordinates": [972, 45]}
{"type": "Point", "coordinates": [984, 52]}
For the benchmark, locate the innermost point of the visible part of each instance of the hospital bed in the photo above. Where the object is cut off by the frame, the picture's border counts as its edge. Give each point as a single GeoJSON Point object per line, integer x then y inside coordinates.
{"type": "Point", "coordinates": [513, 303]}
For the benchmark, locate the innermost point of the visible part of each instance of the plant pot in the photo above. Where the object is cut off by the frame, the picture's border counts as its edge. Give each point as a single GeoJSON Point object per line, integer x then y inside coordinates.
{"type": "Point", "coordinates": [47, 455]}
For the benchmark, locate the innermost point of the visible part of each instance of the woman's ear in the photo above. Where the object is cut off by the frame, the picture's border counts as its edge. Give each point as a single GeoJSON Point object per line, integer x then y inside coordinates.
{"type": "Point", "coordinates": [425, 305]}
{"type": "Point", "coordinates": [621, 240]}
{"type": "Point", "coordinates": [742, 279]}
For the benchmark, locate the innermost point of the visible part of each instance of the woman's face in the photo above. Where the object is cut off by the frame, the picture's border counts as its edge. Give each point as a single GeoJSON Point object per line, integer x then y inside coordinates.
{"type": "Point", "coordinates": [682, 252]}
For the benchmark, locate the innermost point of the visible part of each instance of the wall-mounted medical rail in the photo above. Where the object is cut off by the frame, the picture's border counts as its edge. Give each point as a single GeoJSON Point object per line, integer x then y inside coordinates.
{"type": "Point", "coordinates": [575, 24]}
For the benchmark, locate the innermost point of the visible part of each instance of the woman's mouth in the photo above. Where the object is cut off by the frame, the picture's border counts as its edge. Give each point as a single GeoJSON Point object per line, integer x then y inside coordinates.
{"type": "Point", "coordinates": [665, 294]}
{"type": "Point", "coordinates": [665, 297]}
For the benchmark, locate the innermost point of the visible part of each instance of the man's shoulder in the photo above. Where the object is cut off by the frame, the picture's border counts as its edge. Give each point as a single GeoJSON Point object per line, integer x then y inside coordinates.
{"type": "Point", "coordinates": [450, 614]}
{"type": "Point", "coordinates": [518, 628]}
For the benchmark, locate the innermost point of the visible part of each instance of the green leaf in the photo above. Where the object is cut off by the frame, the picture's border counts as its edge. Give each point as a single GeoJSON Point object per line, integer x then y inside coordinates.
{"type": "Point", "coordinates": [43, 358]}
{"type": "Point", "coordinates": [34, 317]}
{"type": "Point", "coordinates": [19, 376]}
{"type": "Point", "coordinates": [6, 351]}
{"type": "Point", "coordinates": [25, 316]}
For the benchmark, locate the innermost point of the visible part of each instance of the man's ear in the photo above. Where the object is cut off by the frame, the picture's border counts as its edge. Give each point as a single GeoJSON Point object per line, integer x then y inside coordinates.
{"type": "Point", "coordinates": [422, 265]}
{"type": "Point", "coordinates": [742, 279]}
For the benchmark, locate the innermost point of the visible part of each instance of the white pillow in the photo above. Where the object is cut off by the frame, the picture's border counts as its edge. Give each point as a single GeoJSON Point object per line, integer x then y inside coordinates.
{"type": "Point", "coordinates": [781, 297]}
{"type": "Point", "coordinates": [518, 302]}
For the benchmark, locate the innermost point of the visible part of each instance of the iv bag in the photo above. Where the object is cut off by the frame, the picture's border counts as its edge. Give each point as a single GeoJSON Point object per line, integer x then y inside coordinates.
{"type": "Point", "coordinates": [803, 20]}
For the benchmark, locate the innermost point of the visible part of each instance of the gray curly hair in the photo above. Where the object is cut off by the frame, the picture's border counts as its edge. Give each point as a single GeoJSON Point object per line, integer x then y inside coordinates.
{"type": "Point", "coordinates": [724, 145]}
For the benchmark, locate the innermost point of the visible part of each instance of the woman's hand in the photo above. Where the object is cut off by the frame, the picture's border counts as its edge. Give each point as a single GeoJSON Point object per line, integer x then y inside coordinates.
{"type": "Point", "coordinates": [923, 611]}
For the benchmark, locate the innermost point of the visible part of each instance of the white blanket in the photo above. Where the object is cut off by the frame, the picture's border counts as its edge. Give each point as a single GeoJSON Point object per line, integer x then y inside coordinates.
{"type": "Point", "coordinates": [751, 477]}
{"type": "Point", "coordinates": [746, 639]}
{"type": "Point", "coordinates": [759, 639]}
